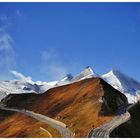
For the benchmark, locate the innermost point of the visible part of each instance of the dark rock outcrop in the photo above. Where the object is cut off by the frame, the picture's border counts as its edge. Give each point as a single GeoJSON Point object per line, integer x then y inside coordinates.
{"type": "Point", "coordinates": [131, 128]}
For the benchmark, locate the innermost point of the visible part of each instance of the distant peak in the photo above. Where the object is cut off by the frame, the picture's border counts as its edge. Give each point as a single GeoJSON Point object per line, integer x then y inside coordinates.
{"type": "Point", "coordinates": [89, 68]}
{"type": "Point", "coordinates": [86, 73]}
{"type": "Point", "coordinates": [68, 77]}
{"type": "Point", "coordinates": [115, 71]}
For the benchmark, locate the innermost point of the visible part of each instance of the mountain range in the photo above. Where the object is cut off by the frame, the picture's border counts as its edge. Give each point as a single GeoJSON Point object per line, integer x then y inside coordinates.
{"type": "Point", "coordinates": [85, 105]}
{"type": "Point", "coordinates": [81, 106]}
{"type": "Point", "coordinates": [118, 80]}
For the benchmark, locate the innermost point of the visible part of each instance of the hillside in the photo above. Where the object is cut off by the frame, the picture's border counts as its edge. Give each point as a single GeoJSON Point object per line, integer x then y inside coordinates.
{"type": "Point", "coordinates": [17, 125]}
{"type": "Point", "coordinates": [79, 105]}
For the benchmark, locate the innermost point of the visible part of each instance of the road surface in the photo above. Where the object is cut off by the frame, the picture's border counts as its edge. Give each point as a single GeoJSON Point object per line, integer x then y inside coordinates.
{"type": "Point", "coordinates": [61, 127]}
{"type": "Point", "coordinates": [105, 130]}
{"type": "Point", "coordinates": [43, 129]}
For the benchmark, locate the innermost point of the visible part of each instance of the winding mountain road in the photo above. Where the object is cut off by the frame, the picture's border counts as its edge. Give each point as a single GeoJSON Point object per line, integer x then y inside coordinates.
{"type": "Point", "coordinates": [61, 127]}
{"type": "Point", "coordinates": [105, 130]}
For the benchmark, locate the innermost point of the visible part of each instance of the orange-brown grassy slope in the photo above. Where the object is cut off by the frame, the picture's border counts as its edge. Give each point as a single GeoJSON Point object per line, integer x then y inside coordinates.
{"type": "Point", "coordinates": [16, 125]}
{"type": "Point", "coordinates": [77, 104]}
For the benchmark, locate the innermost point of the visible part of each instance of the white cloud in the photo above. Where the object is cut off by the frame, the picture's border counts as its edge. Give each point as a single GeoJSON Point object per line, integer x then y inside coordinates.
{"type": "Point", "coordinates": [21, 76]}
{"type": "Point", "coordinates": [7, 53]}
{"type": "Point", "coordinates": [52, 67]}
{"type": "Point", "coordinates": [5, 41]}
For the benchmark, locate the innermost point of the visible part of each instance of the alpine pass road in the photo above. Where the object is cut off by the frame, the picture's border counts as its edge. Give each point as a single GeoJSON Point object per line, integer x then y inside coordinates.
{"type": "Point", "coordinates": [61, 127]}
{"type": "Point", "coordinates": [105, 130]}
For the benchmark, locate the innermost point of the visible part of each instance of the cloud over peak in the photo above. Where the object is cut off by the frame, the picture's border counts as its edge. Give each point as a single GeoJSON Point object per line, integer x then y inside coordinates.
{"type": "Point", "coordinates": [21, 76]}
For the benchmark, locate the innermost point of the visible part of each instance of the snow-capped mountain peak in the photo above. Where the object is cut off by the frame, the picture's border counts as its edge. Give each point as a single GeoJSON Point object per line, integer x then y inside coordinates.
{"type": "Point", "coordinates": [111, 78]}
{"type": "Point", "coordinates": [86, 73]}
{"type": "Point", "coordinates": [65, 80]}
{"type": "Point", "coordinates": [118, 80]}
{"type": "Point", "coordinates": [89, 71]}
{"type": "Point", "coordinates": [68, 77]}
{"type": "Point", "coordinates": [123, 83]}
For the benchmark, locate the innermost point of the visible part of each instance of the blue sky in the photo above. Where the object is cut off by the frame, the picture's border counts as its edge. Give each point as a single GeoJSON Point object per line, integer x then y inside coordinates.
{"type": "Point", "coordinates": [47, 40]}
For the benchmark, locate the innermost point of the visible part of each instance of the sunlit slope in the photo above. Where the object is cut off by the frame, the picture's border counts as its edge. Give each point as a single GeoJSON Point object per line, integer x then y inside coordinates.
{"type": "Point", "coordinates": [79, 105]}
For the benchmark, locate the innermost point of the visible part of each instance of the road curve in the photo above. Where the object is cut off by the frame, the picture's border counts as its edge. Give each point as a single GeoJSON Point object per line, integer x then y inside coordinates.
{"type": "Point", "coordinates": [105, 130]}
{"type": "Point", "coordinates": [41, 128]}
{"type": "Point", "coordinates": [61, 127]}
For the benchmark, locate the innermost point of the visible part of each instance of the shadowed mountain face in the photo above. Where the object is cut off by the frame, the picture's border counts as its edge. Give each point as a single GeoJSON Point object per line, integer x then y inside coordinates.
{"type": "Point", "coordinates": [125, 84]}
{"type": "Point", "coordinates": [130, 129]}
{"type": "Point", "coordinates": [79, 105]}
{"type": "Point", "coordinates": [112, 100]}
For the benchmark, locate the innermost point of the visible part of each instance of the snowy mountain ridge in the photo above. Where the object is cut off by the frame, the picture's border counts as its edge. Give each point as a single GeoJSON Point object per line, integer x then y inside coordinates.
{"type": "Point", "coordinates": [118, 80]}
{"type": "Point", "coordinates": [26, 85]}
{"type": "Point", "coordinates": [86, 73]}
{"type": "Point", "coordinates": [123, 83]}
